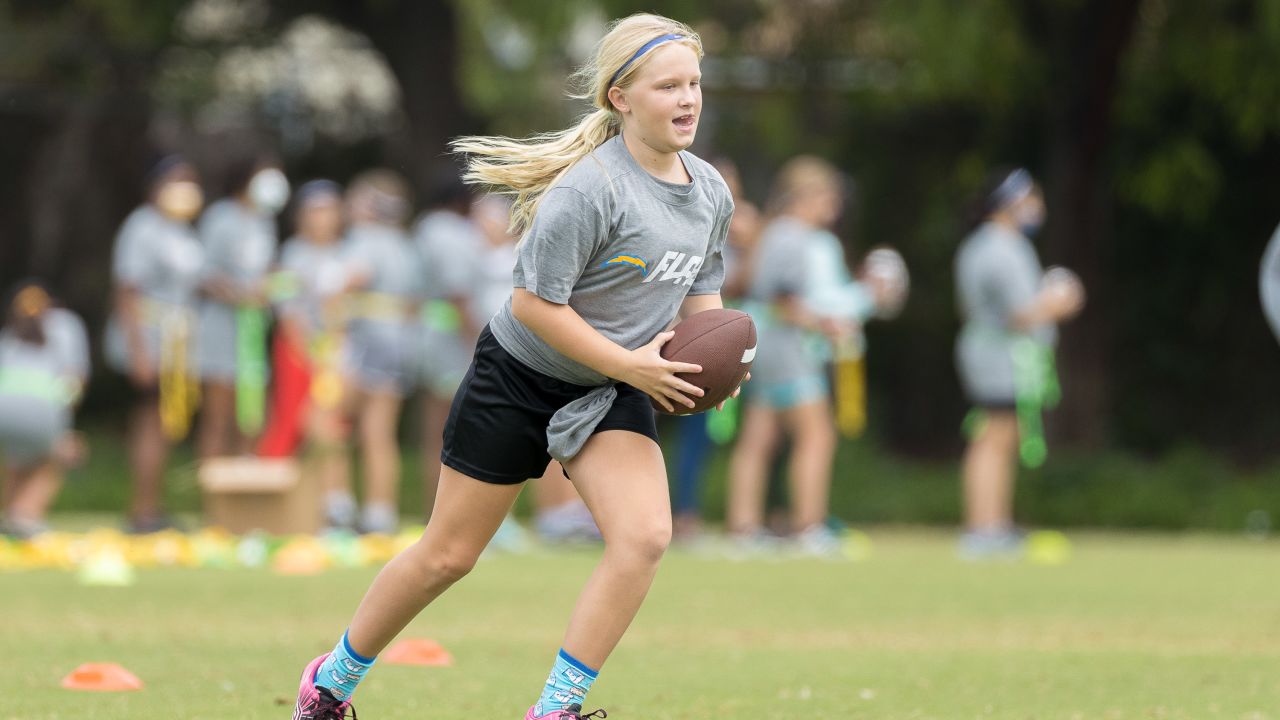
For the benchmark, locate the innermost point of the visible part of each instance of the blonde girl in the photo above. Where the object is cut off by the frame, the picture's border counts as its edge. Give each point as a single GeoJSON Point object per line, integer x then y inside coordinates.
{"type": "Point", "coordinates": [622, 231]}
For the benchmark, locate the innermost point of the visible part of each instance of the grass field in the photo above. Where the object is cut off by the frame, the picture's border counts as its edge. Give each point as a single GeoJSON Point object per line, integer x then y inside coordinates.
{"type": "Point", "coordinates": [1131, 627]}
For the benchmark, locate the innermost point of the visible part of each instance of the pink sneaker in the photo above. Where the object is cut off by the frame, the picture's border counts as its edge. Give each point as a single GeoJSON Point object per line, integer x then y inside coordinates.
{"type": "Point", "coordinates": [315, 704]}
{"type": "Point", "coordinates": [573, 712]}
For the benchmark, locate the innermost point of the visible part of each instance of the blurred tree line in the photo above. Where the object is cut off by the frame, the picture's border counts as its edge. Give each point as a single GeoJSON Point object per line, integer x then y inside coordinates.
{"type": "Point", "coordinates": [1153, 124]}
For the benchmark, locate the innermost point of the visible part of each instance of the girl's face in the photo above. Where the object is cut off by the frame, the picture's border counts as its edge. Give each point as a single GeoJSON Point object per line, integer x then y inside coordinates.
{"type": "Point", "coordinates": [663, 102]}
{"type": "Point", "coordinates": [321, 221]}
{"type": "Point", "coordinates": [178, 195]}
{"type": "Point", "coordinates": [817, 205]}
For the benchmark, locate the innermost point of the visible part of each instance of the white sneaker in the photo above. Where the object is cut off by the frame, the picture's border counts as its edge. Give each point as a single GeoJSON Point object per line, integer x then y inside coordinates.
{"type": "Point", "coordinates": [567, 523]}
{"type": "Point", "coordinates": [818, 541]}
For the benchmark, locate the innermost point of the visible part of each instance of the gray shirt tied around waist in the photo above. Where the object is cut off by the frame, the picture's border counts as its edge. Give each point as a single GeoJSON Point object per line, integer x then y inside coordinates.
{"type": "Point", "coordinates": [997, 275]}
{"type": "Point", "coordinates": [623, 249]}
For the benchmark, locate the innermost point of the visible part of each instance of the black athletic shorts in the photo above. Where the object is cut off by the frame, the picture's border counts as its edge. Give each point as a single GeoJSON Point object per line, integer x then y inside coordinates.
{"type": "Point", "coordinates": [497, 427]}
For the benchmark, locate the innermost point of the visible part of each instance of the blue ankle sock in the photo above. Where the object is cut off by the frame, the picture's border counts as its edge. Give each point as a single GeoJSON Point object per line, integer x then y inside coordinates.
{"type": "Point", "coordinates": [566, 686]}
{"type": "Point", "coordinates": [343, 670]}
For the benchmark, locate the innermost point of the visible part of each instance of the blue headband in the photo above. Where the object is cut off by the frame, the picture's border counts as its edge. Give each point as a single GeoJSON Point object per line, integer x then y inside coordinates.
{"type": "Point", "coordinates": [313, 190]}
{"type": "Point", "coordinates": [643, 49]}
{"type": "Point", "coordinates": [1018, 185]}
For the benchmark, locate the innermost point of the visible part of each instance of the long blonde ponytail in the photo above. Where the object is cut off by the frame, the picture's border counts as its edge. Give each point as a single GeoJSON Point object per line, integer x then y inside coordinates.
{"type": "Point", "coordinates": [527, 168]}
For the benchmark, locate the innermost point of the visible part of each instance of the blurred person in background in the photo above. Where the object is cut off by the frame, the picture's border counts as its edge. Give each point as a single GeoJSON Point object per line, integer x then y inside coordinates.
{"type": "Point", "coordinates": [448, 245]}
{"type": "Point", "coordinates": [44, 364]}
{"type": "Point", "coordinates": [804, 302]}
{"type": "Point", "coordinates": [1010, 308]}
{"type": "Point", "coordinates": [239, 237]}
{"type": "Point", "coordinates": [312, 328]}
{"type": "Point", "coordinates": [157, 268]}
{"type": "Point", "coordinates": [381, 337]}
{"type": "Point", "coordinates": [693, 437]}
{"type": "Point", "coordinates": [1269, 281]}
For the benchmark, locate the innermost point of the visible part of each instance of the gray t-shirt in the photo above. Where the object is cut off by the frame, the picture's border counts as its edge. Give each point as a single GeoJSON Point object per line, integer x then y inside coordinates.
{"type": "Point", "coordinates": [446, 244]}
{"type": "Point", "coordinates": [64, 354]}
{"type": "Point", "coordinates": [160, 257]}
{"type": "Point", "coordinates": [239, 245]}
{"type": "Point", "coordinates": [1269, 280]}
{"type": "Point", "coordinates": [492, 284]}
{"type": "Point", "coordinates": [796, 260]}
{"type": "Point", "coordinates": [384, 254]}
{"type": "Point", "coordinates": [39, 384]}
{"type": "Point", "coordinates": [379, 336]}
{"type": "Point", "coordinates": [623, 249]}
{"type": "Point", "coordinates": [997, 275]}
{"type": "Point", "coordinates": [321, 273]}
{"type": "Point", "coordinates": [163, 260]}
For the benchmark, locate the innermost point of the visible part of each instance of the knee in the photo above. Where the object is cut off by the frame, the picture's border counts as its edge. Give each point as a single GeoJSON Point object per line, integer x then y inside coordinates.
{"type": "Point", "coordinates": [444, 563]}
{"type": "Point", "coordinates": [644, 542]}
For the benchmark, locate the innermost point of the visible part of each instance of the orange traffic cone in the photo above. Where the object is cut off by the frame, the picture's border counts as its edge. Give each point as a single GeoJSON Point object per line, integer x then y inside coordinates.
{"type": "Point", "coordinates": [417, 651]}
{"type": "Point", "coordinates": [102, 677]}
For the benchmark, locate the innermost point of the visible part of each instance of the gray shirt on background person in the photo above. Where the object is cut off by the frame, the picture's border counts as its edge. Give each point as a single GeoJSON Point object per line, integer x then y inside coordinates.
{"type": "Point", "coordinates": [320, 272]}
{"type": "Point", "coordinates": [1269, 283]}
{"type": "Point", "coordinates": [623, 249]}
{"type": "Point", "coordinates": [447, 244]}
{"type": "Point", "coordinates": [447, 247]}
{"type": "Point", "coordinates": [239, 244]}
{"type": "Point", "coordinates": [39, 385]}
{"type": "Point", "coordinates": [780, 271]}
{"type": "Point", "coordinates": [380, 339]}
{"type": "Point", "coordinates": [492, 282]}
{"type": "Point", "coordinates": [997, 275]}
{"type": "Point", "coordinates": [162, 259]}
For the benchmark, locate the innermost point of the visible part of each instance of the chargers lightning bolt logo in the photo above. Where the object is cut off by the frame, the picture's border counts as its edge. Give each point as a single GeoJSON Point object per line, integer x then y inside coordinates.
{"type": "Point", "coordinates": [633, 261]}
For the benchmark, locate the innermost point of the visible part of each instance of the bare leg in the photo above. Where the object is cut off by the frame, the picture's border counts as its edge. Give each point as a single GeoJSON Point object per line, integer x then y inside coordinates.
{"type": "Point", "coordinates": [813, 446]}
{"type": "Point", "coordinates": [11, 481]}
{"type": "Point", "coordinates": [35, 489]}
{"type": "Point", "coordinates": [148, 452]}
{"type": "Point", "coordinates": [435, 411]}
{"type": "Point", "coordinates": [217, 417]}
{"type": "Point", "coordinates": [749, 468]}
{"type": "Point", "coordinates": [465, 517]}
{"type": "Point", "coordinates": [623, 480]}
{"type": "Point", "coordinates": [989, 473]}
{"type": "Point", "coordinates": [327, 452]}
{"type": "Point", "coordinates": [379, 450]}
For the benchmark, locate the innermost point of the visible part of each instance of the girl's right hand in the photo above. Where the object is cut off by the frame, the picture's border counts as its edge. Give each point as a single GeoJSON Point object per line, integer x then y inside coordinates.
{"type": "Point", "coordinates": [1063, 293]}
{"type": "Point", "coordinates": [648, 371]}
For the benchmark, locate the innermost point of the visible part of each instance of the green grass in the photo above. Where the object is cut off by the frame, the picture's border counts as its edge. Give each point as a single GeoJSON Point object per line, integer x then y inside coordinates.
{"type": "Point", "coordinates": [1132, 627]}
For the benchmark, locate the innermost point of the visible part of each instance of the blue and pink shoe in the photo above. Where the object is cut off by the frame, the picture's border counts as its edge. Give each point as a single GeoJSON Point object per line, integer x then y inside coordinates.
{"type": "Point", "coordinates": [573, 712]}
{"type": "Point", "coordinates": [316, 703]}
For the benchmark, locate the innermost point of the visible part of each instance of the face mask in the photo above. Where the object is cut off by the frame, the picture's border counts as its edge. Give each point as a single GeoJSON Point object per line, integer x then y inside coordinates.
{"type": "Point", "coordinates": [180, 200]}
{"type": "Point", "coordinates": [269, 190]}
{"type": "Point", "coordinates": [1030, 218]}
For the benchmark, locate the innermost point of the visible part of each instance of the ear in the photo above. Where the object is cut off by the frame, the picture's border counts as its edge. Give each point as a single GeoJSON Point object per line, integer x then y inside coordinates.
{"type": "Point", "coordinates": [619, 100]}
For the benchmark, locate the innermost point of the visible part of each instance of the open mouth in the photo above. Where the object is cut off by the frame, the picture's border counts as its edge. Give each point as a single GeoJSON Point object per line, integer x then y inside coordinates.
{"type": "Point", "coordinates": [685, 123]}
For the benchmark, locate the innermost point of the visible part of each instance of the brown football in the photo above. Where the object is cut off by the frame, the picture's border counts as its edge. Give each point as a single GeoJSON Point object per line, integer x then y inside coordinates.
{"type": "Point", "coordinates": [723, 342]}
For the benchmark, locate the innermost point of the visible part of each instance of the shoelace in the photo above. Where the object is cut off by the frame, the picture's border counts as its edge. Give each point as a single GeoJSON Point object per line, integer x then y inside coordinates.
{"type": "Point", "coordinates": [326, 709]}
{"type": "Point", "coordinates": [596, 714]}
